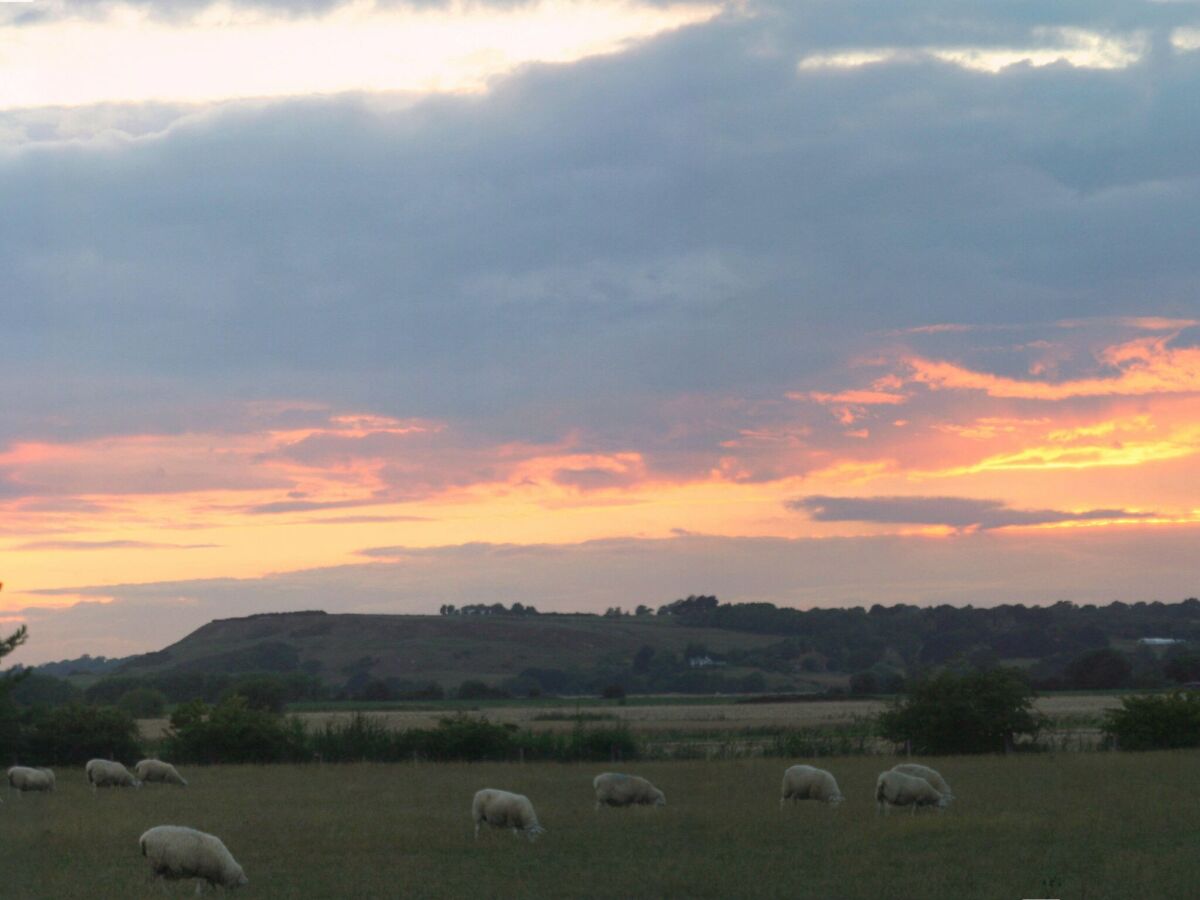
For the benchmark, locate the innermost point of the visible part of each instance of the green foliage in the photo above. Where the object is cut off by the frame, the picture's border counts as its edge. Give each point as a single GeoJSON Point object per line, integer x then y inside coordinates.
{"type": "Point", "coordinates": [1102, 669]}
{"type": "Point", "coordinates": [73, 734]}
{"type": "Point", "coordinates": [38, 689]}
{"type": "Point", "coordinates": [975, 712]}
{"type": "Point", "coordinates": [265, 692]}
{"type": "Point", "coordinates": [10, 726]}
{"type": "Point", "coordinates": [233, 732]}
{"type": "Point", "coordinates": [143, 703]}
{"type": "Point", "coordinates": [467, 739]}
{"type": "Point", "coordinates": [477, 690]}
{"type": "Point", "coordinates": [1155, 722]}
{"type": "Point", "coordinates": [1182, 666]}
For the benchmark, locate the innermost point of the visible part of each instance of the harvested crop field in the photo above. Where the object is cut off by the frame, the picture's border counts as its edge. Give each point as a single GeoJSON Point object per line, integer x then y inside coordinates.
{"type": "Point", "coordinates": [1067, 710]}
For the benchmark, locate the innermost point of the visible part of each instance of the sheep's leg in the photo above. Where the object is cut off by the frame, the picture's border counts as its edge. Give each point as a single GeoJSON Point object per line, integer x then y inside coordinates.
{"type": "Point", "coordinates": [476, 830]}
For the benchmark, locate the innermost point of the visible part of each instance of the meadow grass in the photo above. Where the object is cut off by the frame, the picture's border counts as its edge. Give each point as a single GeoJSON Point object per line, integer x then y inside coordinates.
{"type": "Point", "coordinates": [1084, 826]}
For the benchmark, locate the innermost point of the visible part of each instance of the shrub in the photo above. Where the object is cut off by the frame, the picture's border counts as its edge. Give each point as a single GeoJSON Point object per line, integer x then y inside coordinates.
{"type": "Point", "coordinates": [864, 683]}
{"type": "Point", "coordinates": [37, 689]}
{"type": "Point", "coordinates": [233, 732]}
{"type": "Point", "coordinates": [976, 712]}
{"type": "Point", "coordinates": [143, 703]}
{"type": "Point", "coordinates": [466, 739]}
{"type": "Point", "coordinates": [75, 733]}
{"type": "Point", "coordinates": [1155, 722]}
{"type": "Point", "coordinates": [477, 690]}
{"type": "Point", "coordinates": [1103, 669]}
{"type": "Point", "coordinates": [265, 692]}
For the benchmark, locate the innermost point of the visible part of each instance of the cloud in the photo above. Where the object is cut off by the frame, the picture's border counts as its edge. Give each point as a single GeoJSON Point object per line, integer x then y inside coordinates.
{"type": "Point", "coordinates": [954, 512]}
{"type": "Point", "coordinates": [109, 545]}
{"type": "Point", "coordinates": [1143, 366]}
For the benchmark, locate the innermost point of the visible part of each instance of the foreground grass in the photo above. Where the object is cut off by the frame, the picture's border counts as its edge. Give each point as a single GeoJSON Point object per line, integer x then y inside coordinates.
{"type": "Point", "coordinates": [1084, 826]}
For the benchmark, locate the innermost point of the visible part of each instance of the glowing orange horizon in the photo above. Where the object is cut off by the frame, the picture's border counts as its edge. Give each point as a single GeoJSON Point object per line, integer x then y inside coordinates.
{"type": "Point", "coordinates": [142, 508]}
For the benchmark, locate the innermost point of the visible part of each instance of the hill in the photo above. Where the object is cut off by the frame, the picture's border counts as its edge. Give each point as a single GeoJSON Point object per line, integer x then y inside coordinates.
{"type": "Point", "coordinates": [693, 645]}
{"type": "Point", "coordinates": [447, 650]}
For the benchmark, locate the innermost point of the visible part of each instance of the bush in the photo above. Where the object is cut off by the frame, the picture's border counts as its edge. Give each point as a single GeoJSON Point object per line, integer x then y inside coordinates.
{"type": "Point", "coordinates": [976, 712]}
{"type": "Point", "coordinates": [233, 732]}
{"type": "Point", "coordinates": [1104, 669]}
{"type": "Point", "coordinates": [37, 689]}
{"type": "Point", "coordinates": [1155, 722]}
{"type": "Point", "coordinates": [477, 690]}
{"type": "Point", "coordinates": [265, 692]}
{"type": "Point", "coordinates": [73, 734]}
{"type": "Point", "coordinates": [864, 683]}
{"type": "Point", "coordinates": [143, 703]}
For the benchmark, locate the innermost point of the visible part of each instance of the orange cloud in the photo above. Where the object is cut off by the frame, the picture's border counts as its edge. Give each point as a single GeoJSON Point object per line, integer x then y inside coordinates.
{"type": "Point", "coordinates": [1144, 366]}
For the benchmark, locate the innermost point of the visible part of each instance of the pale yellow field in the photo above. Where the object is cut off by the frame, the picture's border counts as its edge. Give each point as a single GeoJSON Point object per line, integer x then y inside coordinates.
{"type": "Point", "coordinates": [1078, 712]}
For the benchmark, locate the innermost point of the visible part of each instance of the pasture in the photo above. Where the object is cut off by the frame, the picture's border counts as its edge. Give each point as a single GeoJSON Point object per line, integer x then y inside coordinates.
{"type": "Point", "coordinates": [1081, 825]}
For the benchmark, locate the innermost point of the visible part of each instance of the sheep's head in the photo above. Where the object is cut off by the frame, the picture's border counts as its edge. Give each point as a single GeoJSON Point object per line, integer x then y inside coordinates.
{"type": "Point", "coordinates": [836, 799]}
{"type": "Point", "coordinates": [660, 799]}
{"type": "Point", "coordinates": [534, 831]}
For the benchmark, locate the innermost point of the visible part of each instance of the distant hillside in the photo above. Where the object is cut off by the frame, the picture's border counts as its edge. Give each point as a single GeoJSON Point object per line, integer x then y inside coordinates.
{"type": "Point", "coordinates": [693, 645]}
{"type": "Point", "coordinates": [443, 649]}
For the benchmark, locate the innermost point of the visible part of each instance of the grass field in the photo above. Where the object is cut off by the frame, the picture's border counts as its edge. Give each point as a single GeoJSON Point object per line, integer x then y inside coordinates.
{"type": "Point", "coordinates": [1084, 826]}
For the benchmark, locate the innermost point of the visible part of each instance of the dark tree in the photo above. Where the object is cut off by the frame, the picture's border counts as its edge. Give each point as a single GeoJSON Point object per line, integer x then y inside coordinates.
{"type": "Point", "coordinates": [977, 712]}
{"type": "Point", "coordinates": [1104, 669]}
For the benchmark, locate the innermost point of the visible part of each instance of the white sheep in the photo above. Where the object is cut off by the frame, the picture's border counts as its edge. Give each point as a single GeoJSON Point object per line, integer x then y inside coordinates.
{"type": "Point", "coordinates": [931, 775]}
{"type": "Point", "coordinates": [177, 852]}
{"type": "Point", "coordinates": [149, 770]}
{"type": "Point", "coordinates": [614, 789]}
{"type": "Point", "coordinates": [809, 783]}
{"type": "Point", "coordinates": [897, 789]}
{"type": "Point", "coordinates": [502, 809]}
{"type": "Point", "coordinates": [106, 773]}
{"type": "Point", "coordinates": [25, 778]}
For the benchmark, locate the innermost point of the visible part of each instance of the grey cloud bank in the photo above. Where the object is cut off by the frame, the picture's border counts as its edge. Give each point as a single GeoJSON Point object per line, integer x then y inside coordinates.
{"type": "Point", "coordinates": [586, 241]}
{"type": "Point", "coordinates": [957, 512]}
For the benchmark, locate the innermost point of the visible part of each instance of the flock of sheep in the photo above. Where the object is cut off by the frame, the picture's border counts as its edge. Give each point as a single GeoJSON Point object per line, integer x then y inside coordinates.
{"type": "Point", "coordinates": [176, 852]}
{"type": "Point", "coordinates": [907, 784]}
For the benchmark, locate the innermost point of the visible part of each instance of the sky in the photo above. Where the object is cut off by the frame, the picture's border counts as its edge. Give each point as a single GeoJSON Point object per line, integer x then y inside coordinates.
{"type": "Point", "coordinates": [377, 306]}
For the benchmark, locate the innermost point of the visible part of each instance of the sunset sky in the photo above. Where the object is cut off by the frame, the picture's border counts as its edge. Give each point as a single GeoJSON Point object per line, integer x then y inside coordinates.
{"type": "Point", "coordinates": [375, 306]}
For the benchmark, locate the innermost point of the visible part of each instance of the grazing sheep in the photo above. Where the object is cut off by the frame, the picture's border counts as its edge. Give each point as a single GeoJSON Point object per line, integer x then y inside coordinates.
{"type": "Point", "coordinates": [177, 852]}
{"type": "Point", "coordinates": [931, 775]}
{"type": "Point", "coordinates": [502, 809]}
{"type": "Point", "coordinates": [809, 783]}
{"type": "Point", "coordinates": [149, 770]}
{"type": "Point", "coordinates": [106, 773]}
{"type": "Point", "coordinates": [613, 789]}
{"type": "Point", "coordinates": [897, 789]}
{"type": "Point", "coordinates": [24, 778]}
